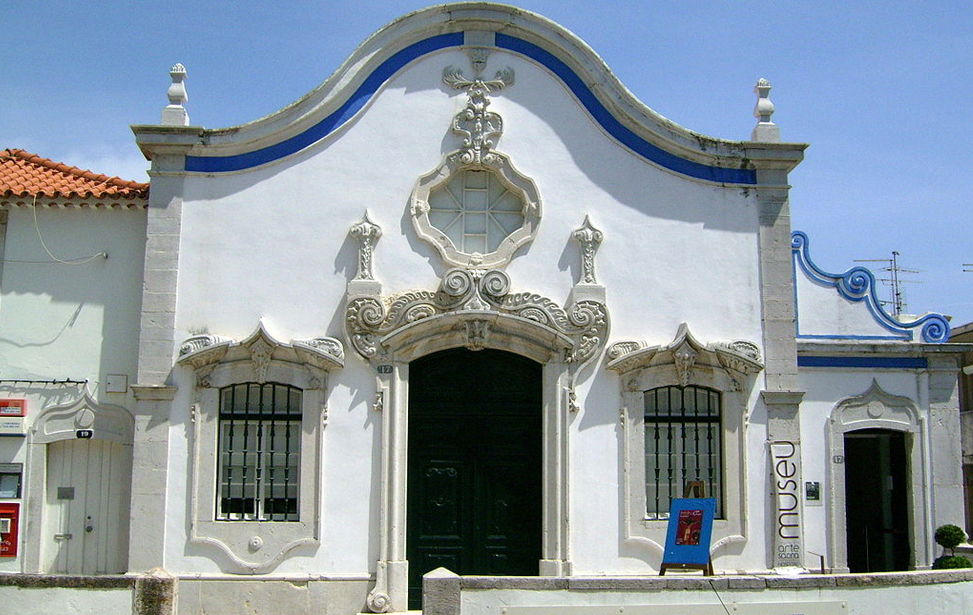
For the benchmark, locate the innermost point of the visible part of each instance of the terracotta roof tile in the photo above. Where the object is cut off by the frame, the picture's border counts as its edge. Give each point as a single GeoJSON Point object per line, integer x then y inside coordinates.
{"type": "Point", "coordinates": [23, 174]}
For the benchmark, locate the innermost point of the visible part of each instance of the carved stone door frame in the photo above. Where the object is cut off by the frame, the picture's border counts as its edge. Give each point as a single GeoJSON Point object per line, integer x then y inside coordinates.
{"type": "Point", "coordinates": [508, 333]}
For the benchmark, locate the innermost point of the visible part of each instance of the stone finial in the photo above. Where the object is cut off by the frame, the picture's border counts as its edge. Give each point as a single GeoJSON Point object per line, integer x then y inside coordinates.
{"type": "Point", "coordinates": [589, 237]}
{"type": "Point", "coordinates": [367, 234]}
{"type": "Point", "coordinates": [175, 113]}
{"type": "Point", "coordinates": [765, 131]}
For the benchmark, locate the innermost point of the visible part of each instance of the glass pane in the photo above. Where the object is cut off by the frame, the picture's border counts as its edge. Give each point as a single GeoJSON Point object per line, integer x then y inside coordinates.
{"type": "Point", "coordinates": [507, 201]}
{"type": "Point", "coordinates": [476, 179]}
{"type": "Point", "coordinates": [475, 243]}
{"type": "Point", "coordinates": [475, 224]}
{"type": "Point", "coordinates": [475, 200]}
{"type": "Point", "coordinates": [508, 222]}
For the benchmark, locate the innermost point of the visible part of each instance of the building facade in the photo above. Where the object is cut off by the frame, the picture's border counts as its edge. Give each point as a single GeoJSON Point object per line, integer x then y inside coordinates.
{"type": "Point", "coordinates": [466, 305]}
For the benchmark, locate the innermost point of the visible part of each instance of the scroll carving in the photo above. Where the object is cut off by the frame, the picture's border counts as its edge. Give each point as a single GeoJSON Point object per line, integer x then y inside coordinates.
{"type": "Point", "coordinates": [368, 319]}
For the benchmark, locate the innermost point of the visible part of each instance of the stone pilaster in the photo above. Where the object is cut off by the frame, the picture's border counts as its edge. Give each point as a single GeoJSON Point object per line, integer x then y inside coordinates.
{"type": "Point", "coordinates": [150, 455]}
{"type": "Point", "coordinates": [782, 395]}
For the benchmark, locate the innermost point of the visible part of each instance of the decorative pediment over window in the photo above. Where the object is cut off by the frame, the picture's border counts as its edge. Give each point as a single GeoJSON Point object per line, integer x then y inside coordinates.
{"type": "Point", "coordinates": [203, 352]}
{"type": "Point", "coordinates": [686, 354]}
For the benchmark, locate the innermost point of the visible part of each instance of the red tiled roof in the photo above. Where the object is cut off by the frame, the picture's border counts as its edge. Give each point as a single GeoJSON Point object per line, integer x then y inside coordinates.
{"type": "Point", "coordinates": [23, 174]}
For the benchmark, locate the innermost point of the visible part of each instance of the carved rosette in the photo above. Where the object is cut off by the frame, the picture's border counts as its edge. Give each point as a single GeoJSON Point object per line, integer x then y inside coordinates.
{"type": "Point", "coordinates": [368, 319]}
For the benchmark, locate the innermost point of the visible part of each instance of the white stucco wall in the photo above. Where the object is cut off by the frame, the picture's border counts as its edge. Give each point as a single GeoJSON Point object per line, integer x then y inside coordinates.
{"type": "Point", "coordinates": [273, 243]}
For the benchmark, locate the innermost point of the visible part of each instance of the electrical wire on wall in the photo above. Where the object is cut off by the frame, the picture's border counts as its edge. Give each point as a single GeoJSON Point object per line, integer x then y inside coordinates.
{"type": "Point", "coordinates": [74, 261]}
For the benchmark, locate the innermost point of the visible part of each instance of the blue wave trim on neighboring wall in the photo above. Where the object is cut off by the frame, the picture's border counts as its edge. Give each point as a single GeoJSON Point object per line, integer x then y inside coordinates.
{"type": "Point", "coordinates": [372, 83]}
{"type": "Point", "coordinates": [858, 285]}
{"type": "Point", "coordinates": [615, 128]}
{"type": "Point", "coordinates": [368, 88]}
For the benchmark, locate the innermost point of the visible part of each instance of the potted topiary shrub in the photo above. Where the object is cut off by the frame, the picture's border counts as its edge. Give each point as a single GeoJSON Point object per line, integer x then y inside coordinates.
{"type": "Point", "coordinates": [948, 536]}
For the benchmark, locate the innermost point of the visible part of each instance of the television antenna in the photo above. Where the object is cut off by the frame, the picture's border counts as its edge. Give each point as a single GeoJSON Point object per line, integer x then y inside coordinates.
{"type": "Point", "coordinates": [894, 281]}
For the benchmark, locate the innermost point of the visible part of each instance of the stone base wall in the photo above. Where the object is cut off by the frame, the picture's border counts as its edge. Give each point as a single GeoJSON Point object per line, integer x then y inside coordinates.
{"type": "Point", "coordinates": [934, 592]}
{"type": "Point", "coordinates": [37, 594]}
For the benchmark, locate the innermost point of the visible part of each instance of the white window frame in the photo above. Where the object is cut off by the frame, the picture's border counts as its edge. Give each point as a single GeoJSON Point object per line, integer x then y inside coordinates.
{"type": "Point", "coordinates": [724, 367]}
{"type": "Point", "coordinates": [253, 546]}
{"type": "Point", "coordinates": [503, 171]}
{"type": "Point", "coordinates": [677, 490]}
{"type": "Point", "coordinates": [260, 461]}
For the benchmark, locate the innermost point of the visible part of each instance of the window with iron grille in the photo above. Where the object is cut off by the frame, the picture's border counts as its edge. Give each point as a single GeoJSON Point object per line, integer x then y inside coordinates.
{"type": "Point", "coordinates": [259, 452]}
{"type": "Point", "coordinates": [682, 443]}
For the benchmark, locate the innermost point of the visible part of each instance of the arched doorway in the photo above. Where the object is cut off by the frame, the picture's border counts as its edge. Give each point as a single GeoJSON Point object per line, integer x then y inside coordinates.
{"type": "Point", "coordinates": [879, 498]}
{"type": "Point", "coordinates": [876, 500]}
{"type": "Point", "coordinates": [474, 465]}
{"type": "Point", "coordinates": [80, 468]}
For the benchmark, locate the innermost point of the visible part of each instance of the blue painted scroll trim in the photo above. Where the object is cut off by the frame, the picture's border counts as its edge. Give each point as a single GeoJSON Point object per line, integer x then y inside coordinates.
{"type": "Point", "coordinates": [858, 285]}
{"type": "Point", "coordinates": [864, 362]}
{"type": "Point", "coordinates": [219, 164]}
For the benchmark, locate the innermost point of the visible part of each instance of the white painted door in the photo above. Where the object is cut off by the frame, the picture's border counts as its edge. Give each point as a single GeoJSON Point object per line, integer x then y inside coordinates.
{"type": "Point", "coordinates": [88, 484]}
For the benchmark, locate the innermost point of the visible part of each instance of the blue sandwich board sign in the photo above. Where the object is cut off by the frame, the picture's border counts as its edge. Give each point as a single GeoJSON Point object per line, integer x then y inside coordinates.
{"type": "Point", "coordinates": [689, 534]}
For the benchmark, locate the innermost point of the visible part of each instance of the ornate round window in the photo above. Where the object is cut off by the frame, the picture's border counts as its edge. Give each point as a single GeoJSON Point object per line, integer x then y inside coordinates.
{"type": "Point", "coordinates": [476, 216]}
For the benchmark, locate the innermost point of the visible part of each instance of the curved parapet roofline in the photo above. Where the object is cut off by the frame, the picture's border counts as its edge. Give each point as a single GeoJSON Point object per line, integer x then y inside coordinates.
{"type": "Point", "coordinates": [632, 124]}
{"type": "Point", "coordinates": [858, 284]}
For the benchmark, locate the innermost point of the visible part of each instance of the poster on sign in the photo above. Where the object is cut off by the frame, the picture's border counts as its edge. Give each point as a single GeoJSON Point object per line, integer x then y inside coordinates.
{"type": "Point", "coordinates": [689, 533]}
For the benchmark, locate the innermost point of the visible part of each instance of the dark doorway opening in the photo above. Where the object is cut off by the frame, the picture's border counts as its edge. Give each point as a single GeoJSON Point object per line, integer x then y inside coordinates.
{"type": "Point", "coordinates": [876, 501]}
{"type": "Point", "coordinates": [474, 480]}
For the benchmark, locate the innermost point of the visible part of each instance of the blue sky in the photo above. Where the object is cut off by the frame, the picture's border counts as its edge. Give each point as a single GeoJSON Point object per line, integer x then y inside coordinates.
{"type": "Point", "coordinates": [881, 91]}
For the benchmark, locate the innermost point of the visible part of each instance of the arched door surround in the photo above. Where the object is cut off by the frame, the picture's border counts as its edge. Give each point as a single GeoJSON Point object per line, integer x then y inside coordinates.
{"type": "Point", "coordinates": [80, 466]}
{"type": "Point", "coordinates": [474, 309]}
{"type": "Point", "coordinates": [875, 409]}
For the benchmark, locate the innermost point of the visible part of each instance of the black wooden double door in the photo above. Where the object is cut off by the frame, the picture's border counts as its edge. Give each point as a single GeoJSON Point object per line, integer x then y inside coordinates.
{"type": "Point", "coordinates": [474, 481]}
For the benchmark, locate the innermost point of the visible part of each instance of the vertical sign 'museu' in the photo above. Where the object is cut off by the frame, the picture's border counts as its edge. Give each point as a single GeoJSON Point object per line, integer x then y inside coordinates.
{"type": "Point", "coordinates": [785, 461]}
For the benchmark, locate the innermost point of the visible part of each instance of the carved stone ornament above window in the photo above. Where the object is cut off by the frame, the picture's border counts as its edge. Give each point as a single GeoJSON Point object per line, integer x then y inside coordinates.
{"type": "Point", "coordinates": [475, 207]}
{"type": "Point", "coordinates": [686, 354]}
{"type": "Point", "coordinates": [203, 352]}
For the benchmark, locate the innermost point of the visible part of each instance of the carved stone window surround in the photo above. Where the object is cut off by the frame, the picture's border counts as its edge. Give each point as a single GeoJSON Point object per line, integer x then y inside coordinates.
{"type": "Point", "coordinates": [479, 128]}
{"type": "Point", "coordinates": [255, 547]}
{"type": "Point", "coordinates": [726, 367]}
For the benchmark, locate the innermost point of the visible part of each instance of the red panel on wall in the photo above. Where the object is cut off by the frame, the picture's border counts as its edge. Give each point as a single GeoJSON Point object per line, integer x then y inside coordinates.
{"type": "Point", "coordinates": [9, 539]}
{"type": "Point", "coordinates": [13, 407]}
